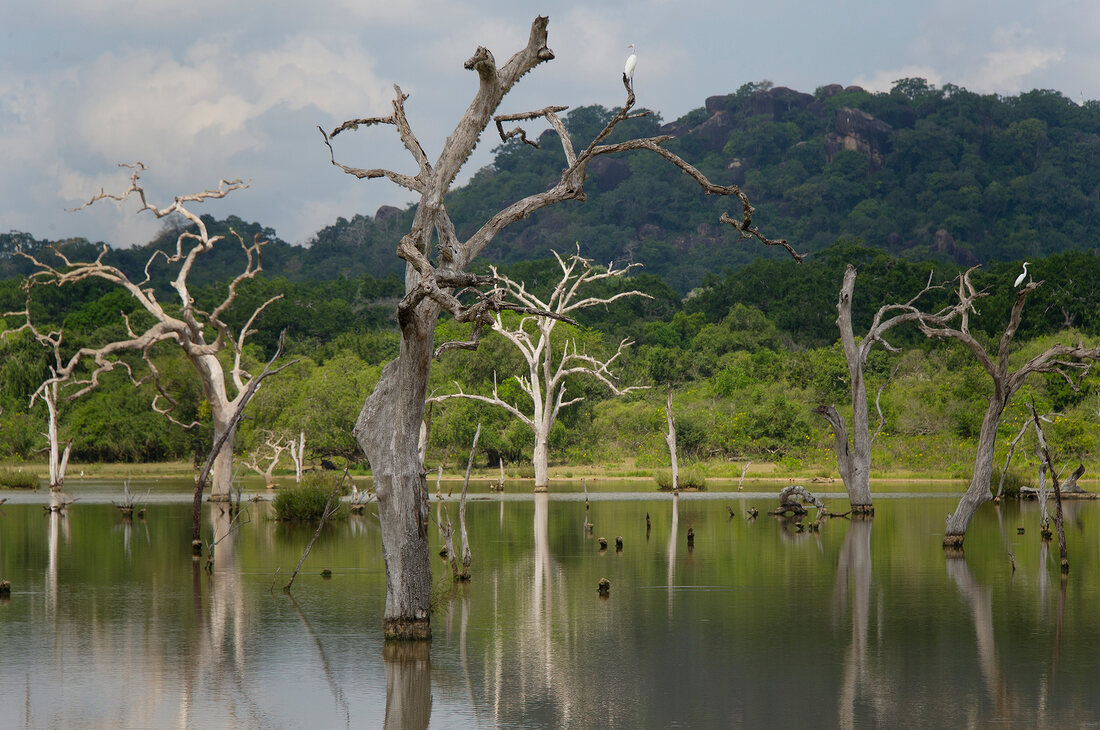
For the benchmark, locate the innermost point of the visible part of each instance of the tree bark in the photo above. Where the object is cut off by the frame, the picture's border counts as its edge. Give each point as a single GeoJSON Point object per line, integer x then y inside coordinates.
{"type": "Point", "coordinates": [540, 457]}
{"type": "Point", "coordinates": [670, 439]}
{"type": "Point", "coordinates": [388, 431]}
{"type": "Point", "coordinates": [978, 493]}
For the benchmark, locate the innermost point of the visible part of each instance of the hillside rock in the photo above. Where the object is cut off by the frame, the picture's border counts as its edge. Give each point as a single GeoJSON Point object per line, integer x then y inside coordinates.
{"type": "Point", "coordinates": [779, 101]}
{"type": "Point", "coordinates": [385, 213]}
{"type": "Point", "coordinates": [859, 131]}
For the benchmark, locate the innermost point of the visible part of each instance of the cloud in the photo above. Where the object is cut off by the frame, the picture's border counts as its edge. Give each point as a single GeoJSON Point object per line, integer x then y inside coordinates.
{"type": "Point", "coordinates": [1006, 71]}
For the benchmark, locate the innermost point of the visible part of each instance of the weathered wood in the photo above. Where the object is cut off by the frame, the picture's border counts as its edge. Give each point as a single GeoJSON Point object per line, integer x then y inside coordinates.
{"type": "Point", "coordinates": [670, 439]}
{"type": "Point", "coordinates": [1058, 523]}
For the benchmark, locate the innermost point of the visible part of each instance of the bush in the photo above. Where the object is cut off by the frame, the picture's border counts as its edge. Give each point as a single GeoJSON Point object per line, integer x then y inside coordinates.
{"type": "Point", "coordinates": [12, 479]}
{"type": "Point", "coordinates": [690, 478]}
{"type": "Point", "coordinates": [306, 502]}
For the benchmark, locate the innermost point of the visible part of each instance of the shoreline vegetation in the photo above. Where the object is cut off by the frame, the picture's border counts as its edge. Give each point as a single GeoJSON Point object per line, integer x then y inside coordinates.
{"type": "Point", "coordinates": [717, 474]}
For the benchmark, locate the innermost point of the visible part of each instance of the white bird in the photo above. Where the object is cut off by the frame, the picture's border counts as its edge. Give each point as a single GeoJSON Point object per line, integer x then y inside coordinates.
{"type": "Point", "coordinates": [1021, 277]}
{"type": "Point", "coordinates": [631, 62]}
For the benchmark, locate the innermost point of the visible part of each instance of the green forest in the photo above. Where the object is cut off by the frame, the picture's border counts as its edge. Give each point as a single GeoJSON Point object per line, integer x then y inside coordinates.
{"type": "Point", "coordinates": [908, 186]}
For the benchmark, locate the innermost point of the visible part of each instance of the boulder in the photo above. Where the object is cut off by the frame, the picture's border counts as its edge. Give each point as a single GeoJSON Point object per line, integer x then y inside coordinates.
{"type": "Point", "coordinates": [857, 130]}
{"type": "Point", "coordinates": [385, 213]}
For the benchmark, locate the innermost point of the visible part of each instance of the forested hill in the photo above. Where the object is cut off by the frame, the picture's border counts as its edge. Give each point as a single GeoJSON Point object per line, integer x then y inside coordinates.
{"type": "Point", "coordinates": [920, 172]}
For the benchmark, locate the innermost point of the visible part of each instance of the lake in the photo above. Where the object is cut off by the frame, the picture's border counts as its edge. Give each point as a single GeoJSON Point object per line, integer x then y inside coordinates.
{"type": "Point", "coordinates": [112, 623]}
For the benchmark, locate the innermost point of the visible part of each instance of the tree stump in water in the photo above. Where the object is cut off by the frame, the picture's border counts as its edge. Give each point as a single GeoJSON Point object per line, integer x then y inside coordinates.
{"type": "Point", "coordinates": [604, 587]}
{"type": "Point", "coordinates": [619, 544]}
{"type": "Point", "coordinates": [5, 587]}
{"type": "Point", "coordinates": [603, 544]}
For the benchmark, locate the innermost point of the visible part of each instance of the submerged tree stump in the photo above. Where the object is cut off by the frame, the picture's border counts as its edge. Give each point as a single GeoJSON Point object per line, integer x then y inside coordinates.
{"type": "Point", "coordinates": [604, 587]}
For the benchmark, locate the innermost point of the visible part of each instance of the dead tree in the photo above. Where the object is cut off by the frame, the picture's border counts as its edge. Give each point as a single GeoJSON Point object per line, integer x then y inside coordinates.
{"type": "Point", "coordinates": [670, 439]}
{"type": "Point", "coordinates": [1070, 361]}
{"type": "Point", "coordinates": [1048, 464]}
{"type": "Point", "coordinates": [545, 381]}
{"type": "Point", "coordinates": [265, 458]}
{"type": "Point", "coordinates": [51, 392]}
{"type": "Point", "coordinates": [298, 455]}
{"type": "Point", "coordinates": [853, 454]}
{"type": "Point", "coordinates": [202, 335]}
{"type": "Point", "coordinates": [389, 425]}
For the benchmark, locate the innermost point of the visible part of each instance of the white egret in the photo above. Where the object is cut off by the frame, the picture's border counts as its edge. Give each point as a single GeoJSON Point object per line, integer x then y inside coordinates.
{"type": "Point", "coordinates": [1021, 277]}
{"type": "Point", "coordinates": [631, 62]}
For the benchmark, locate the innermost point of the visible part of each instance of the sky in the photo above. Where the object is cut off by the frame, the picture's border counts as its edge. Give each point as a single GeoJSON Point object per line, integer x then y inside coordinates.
{"type": "Point", "coordinates": [204, 90]}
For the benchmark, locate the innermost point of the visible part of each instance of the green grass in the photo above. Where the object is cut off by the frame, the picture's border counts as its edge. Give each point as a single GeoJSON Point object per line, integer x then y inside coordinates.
{"type": "Point", "coordinates": [690, 478]}
{"type": "Point", "coordinates": [12, 479]}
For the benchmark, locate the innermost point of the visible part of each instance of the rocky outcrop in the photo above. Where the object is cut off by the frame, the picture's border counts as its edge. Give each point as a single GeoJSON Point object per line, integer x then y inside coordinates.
{"type": "Point", "coordinates": [779, 101]}
{"type": "Point", "coordinates": [859, 131]}
{"type": "Point", "coordinates": [385, 213]}
{"type": "Point", "coordinates": [608, 172]}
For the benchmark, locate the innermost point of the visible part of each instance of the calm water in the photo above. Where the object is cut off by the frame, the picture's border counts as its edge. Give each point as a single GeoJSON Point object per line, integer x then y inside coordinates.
{"type": "Point", "coordinates": [113, 624]}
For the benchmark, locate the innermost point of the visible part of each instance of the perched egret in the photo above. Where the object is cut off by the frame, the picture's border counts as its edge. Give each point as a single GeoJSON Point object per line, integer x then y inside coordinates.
{"type": "Point", "coordinates": [631, 62]}
{"type": "Point", "coordinates": [1021, 277]}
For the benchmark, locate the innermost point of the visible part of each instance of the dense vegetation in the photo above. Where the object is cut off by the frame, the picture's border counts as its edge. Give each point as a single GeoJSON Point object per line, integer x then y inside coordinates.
{"type": "Point", "coordinates": [748, 356]}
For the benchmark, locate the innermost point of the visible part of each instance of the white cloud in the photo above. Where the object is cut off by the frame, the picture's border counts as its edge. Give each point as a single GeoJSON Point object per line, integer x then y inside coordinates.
{"type": "Point", "coordinates": [1007, 70]}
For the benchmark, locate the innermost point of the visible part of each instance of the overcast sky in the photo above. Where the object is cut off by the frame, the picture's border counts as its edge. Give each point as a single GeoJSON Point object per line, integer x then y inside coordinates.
{"type": "Point", "coordinates": [199, 90]}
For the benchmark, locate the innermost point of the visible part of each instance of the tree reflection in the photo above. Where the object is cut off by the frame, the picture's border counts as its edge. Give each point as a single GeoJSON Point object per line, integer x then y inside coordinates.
{"type": "Point", "coordinates": [408, 684]}
{"type": "Point", "coordinates": [980, 601]}
{"type": "Point", "coordinates": [672, 537]}
{"type": "Point", "coordinates": [853, 581]}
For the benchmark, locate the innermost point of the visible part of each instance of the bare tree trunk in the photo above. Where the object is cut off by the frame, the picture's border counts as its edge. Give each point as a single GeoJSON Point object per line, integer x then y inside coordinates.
{"type": "Point", "coordinates": [388, 431]}
{"type": "Point", "coordinates": [59, 460]}
{"type": "Point", "coordinates": [670, 439]}
{"type": "Point", "coordinates": [541, 457]}
{"type": "Point", "coordinates": [979, 491]}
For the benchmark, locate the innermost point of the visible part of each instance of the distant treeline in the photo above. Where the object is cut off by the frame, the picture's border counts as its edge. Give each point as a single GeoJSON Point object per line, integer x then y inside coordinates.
{"type": "Point", "coordinates": [749, 354]}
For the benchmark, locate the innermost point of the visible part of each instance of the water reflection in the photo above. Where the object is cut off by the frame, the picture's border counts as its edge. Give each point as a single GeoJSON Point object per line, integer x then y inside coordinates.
{"type": "Point", "coordinates": [103, 633]}
{"type": "Point", "coordinates": [408, 684]}
{"type": "Point", "coordinates": [980, 601]}
{"type": "Point", "coordinates": [673, 534]}
{"type": "Point", "coordinates": [853, 584]}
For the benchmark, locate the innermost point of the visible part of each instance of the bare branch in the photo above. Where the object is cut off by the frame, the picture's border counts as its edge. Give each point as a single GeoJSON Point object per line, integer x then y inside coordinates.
{"type": "Point", "coordinates": [548, 112]}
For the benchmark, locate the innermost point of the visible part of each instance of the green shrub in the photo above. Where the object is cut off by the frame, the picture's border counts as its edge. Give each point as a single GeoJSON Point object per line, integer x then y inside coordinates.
{"type": "Point", "coordinates": [305, 502]}
{"type": "Point", "coordinates": [521, 471]}
{"type": "Point", "coordinates": [690, 478]}
{"type": "Point", "coordinates": [12, 479]}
